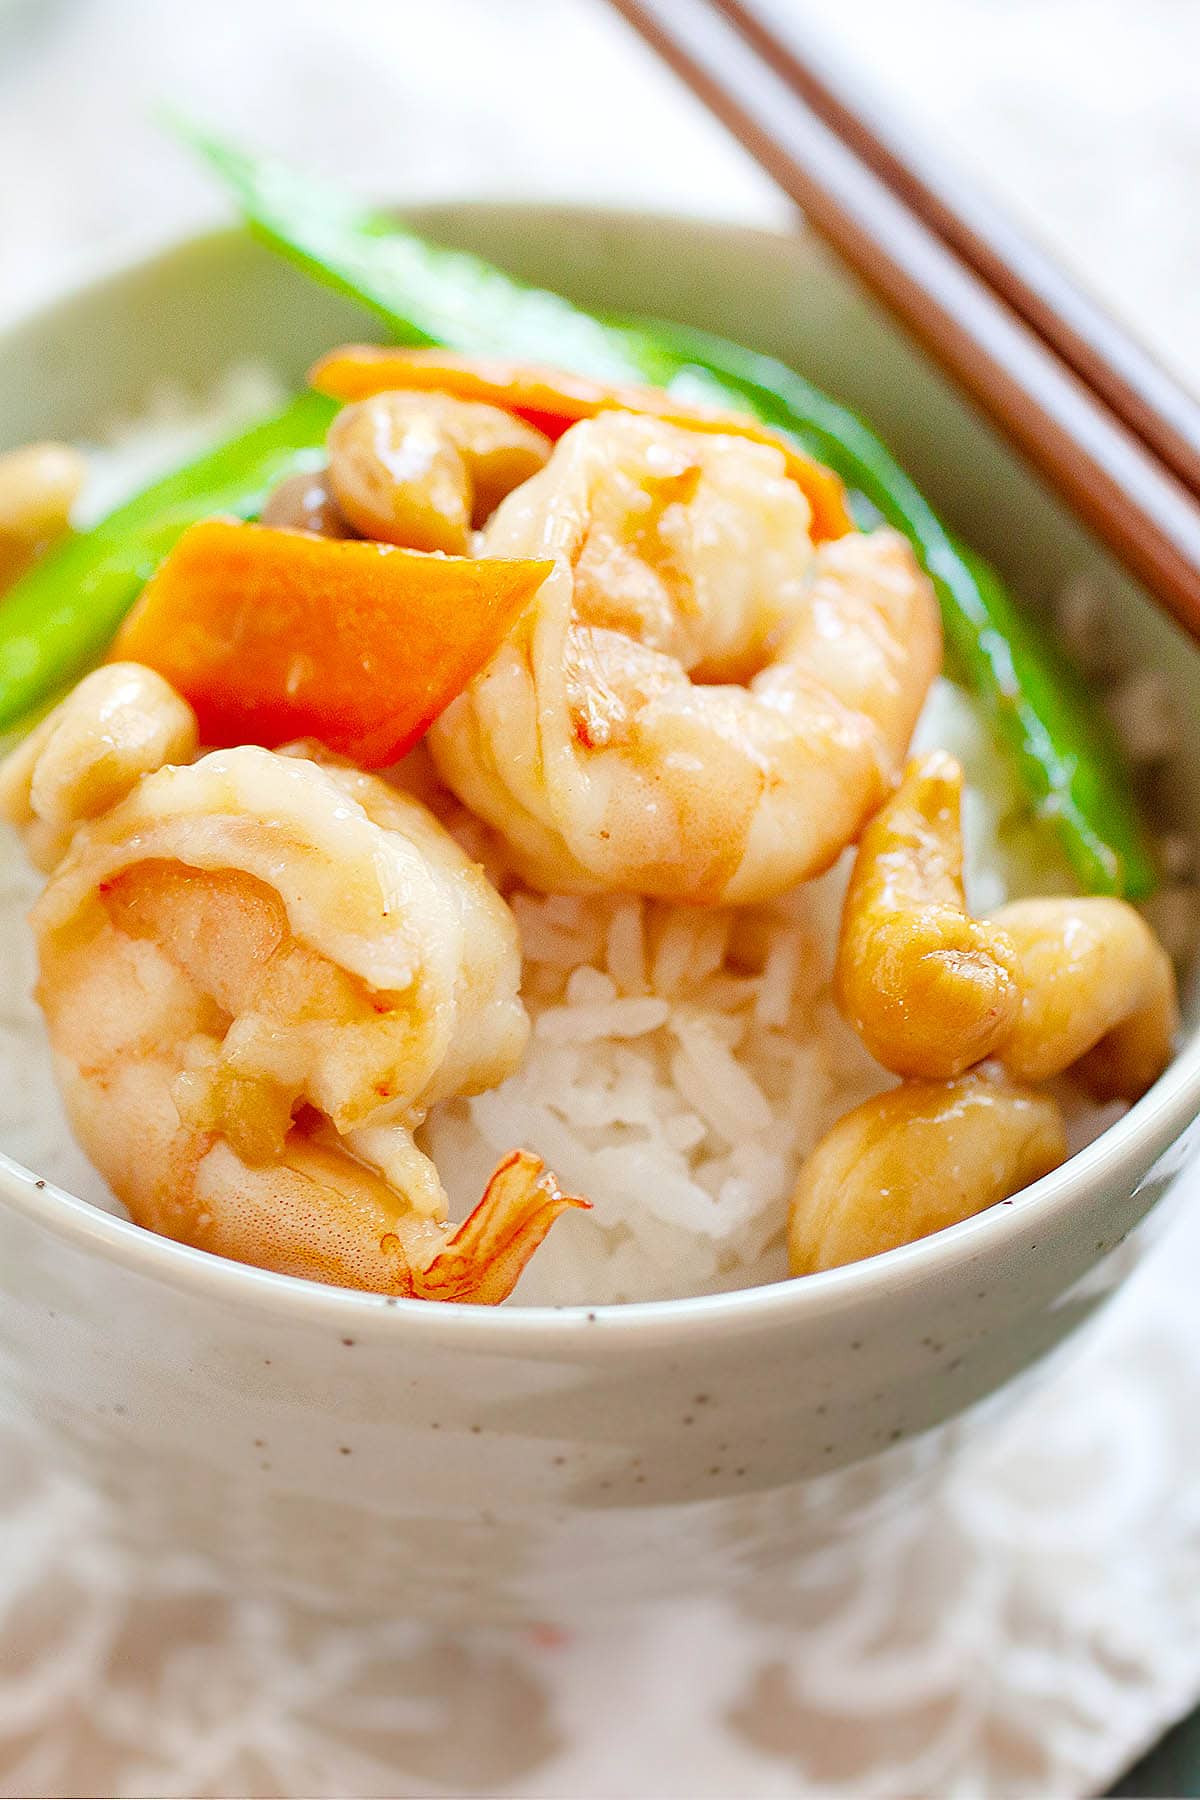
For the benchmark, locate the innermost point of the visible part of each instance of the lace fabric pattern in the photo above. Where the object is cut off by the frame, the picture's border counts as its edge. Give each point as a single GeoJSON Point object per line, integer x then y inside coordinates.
{"type": "Point", "coordinates": [1025, 1628]}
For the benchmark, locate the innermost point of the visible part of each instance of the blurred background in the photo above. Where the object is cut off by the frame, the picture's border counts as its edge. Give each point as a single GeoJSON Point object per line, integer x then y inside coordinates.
{"type": "Point", "coordinates": [1082, 115]}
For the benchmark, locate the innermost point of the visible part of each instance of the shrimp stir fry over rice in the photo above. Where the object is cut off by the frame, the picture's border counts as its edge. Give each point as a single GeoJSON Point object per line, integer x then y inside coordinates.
{"type": "Point", "coordinates": [529, 782]}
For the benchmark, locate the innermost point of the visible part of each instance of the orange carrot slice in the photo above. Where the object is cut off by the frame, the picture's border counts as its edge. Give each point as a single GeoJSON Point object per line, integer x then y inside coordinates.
{"type": "Point", "coordinates": [273, 635]}
{"type": "Point", "coordinates": [553, 399]}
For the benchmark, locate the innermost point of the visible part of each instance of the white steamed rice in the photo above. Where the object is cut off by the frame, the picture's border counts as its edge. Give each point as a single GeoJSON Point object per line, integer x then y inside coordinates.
{"type": "Point", "coordinates": [683, 1061]}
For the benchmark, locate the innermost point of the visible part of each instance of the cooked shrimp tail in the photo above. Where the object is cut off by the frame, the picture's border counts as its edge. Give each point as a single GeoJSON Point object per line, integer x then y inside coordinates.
{"type": "Point", "coordinates": [1100, 995]}
{"type": "Point", "coordinates": [912, 1161]}
{"type": "Point", "coordinates": [258, 973]}
{"type": "Point", "coordinates": [482, 1261]}
{"type": "Point", "coordinates": [319, 1214]}
{"type": "Point", "coordinates": [930, 990]}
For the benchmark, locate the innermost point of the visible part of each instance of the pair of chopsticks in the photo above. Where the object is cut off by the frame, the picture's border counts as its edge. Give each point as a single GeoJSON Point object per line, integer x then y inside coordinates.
{"type": "Point", "coordinates": [1113, 433]}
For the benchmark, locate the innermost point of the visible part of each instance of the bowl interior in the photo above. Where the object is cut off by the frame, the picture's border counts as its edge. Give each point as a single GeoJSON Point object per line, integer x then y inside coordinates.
{"type": "Point", "coordinates": [187, 315]}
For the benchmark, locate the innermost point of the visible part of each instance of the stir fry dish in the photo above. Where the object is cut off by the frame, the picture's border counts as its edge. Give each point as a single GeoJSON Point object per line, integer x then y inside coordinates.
{"type": "Point", "coordinates": [532, 746]}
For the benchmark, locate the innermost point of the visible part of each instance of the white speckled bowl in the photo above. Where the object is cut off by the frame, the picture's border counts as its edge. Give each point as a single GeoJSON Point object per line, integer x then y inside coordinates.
{"type": "Point", "coordinates": [373, 1455]}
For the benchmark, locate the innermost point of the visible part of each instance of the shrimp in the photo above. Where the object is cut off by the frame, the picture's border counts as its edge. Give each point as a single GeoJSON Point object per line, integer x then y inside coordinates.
{"type": "Point", "coordinates": [912, 1161]}
{"type": "Point", "coordinates": [257, 975]}
{"type": "Point", "coordinates": [1099, 995]}
{"type": "Point", "coordinates": [696, 706]}
{"type": "Point", "coordinates": [422, 469]}
{"type": "Point", "coordinates": [930, 990]}
{"type": "Point", "coordinates": [119, 723]}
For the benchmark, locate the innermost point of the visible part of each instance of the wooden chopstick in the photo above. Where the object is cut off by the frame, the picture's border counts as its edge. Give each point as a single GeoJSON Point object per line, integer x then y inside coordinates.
{"type": "Point", "coordinates": [1122, 491]}
{"type": "Point", "coordinates": [1142, 394]}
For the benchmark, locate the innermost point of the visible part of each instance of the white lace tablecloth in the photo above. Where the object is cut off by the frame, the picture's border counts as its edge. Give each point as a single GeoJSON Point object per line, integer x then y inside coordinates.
{"type": "Point", "coordinates": [1025, 1632]}
{"type": "Point", "coordinates": [1037, 1621]}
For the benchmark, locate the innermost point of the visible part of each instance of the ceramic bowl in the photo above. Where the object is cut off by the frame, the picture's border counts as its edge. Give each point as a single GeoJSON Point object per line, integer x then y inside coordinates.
{"type": "Point", "coordinates": [363, 1454]}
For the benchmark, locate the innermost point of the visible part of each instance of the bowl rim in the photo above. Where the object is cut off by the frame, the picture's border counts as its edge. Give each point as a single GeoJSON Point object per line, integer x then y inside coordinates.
{"type": "Point", "coordinates": [1133, 1143]}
